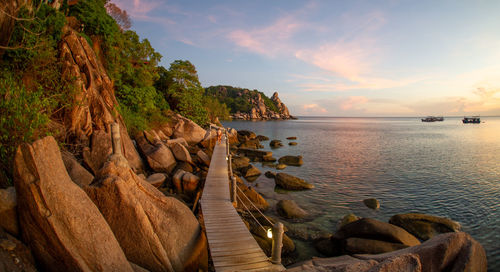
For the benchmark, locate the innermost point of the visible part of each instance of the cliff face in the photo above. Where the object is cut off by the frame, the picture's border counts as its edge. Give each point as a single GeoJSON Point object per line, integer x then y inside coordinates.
{"type": "Point", "coordinates": [250, 105]}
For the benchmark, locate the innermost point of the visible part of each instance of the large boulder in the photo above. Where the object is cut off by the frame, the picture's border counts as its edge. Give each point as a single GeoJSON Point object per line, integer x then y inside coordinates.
{"type": "Point", "coordinates": [356, 245]}
{"type": "Point", "coordinates": [159, 157]}
{"type": "Point", "coordinates": [156, 232]}
{"type": "Point", "coordinates": [254, 144]}
{"type": "Point", "coordinates": [156, 179]}
{"type": "Point", "coordinates": [289, 209]}
{"type": "Point", "coordinates": [291, 160]}
{"type": "Point", "coordinates": [253, 153]}
{"type": "Point", "coordinates": [290, 182]}
{"type": "Point", "coordinates": [64, 229]}
{"type": "Point", "coordinates": [247, 193]}
{"type": "Point", "coordinates": [187, 129]}
{"type": "Point", "coordinates": [95, 106]}
{"type": "Point", "coordinates": [14, 255]}
{"type": "Point", "coordinates": [203, 157]}
{"type": "Point", "coordinates": [245, 135]}
{"type": "Point", "coordinates": [250, 171]}
{"type": "Point", "coordinates": [240, 162]}
{"type": "Point", "coordinates": [78, 173]}
{"type": "Point", "coordinates": [373, 229]}
{"type": "Point", "coordinates": [424, 226]}
{"type": "Point", "coordinates": [100, 148]}
{"type": "Point", "coordinates": [455, 251]}
{"type": "Point", "coordinates": [348, 218]}
{"type": "Point", "coordinates": [262, 138]}
{"type": "Point", "coordinates": [181, 153]}
{"type": "Point", "coordinates": [8, 212]}
{"type": "Point", "coordinates": [190, 183]}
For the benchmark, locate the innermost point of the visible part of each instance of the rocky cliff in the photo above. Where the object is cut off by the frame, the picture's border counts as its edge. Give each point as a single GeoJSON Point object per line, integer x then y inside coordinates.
{"type": "Point", "coordinates": [250, 104]}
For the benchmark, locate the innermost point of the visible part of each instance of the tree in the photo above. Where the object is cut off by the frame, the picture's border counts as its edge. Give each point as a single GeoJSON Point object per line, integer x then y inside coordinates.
{"type": "Point", "coordinates": [121, 17]}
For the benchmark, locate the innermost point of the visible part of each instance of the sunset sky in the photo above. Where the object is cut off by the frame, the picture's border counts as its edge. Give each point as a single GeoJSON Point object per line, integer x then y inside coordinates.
{"type": "Point", "coordinates": [337, 58]}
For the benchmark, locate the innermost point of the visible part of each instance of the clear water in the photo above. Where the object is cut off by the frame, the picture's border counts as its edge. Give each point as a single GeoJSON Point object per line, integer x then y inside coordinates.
{"type": "Point", "coordinates": [443, 168]}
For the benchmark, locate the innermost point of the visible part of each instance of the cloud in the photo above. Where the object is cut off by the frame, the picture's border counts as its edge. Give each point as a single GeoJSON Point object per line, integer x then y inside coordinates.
{"type": "Point", "coordinates": [313, 109]}
{"type": "Point", "coordinates": [366, 83]}
{"type": "Point", "coordinates": [353, 102]}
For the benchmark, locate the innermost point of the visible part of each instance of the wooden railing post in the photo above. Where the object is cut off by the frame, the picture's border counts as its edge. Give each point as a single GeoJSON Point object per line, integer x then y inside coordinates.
{"type": "Point", "coordinates": [233, 191]}
{"type": "Point", "coordinates": [277, 243]}
{"type": "Point", "coordinates": [116, 139]}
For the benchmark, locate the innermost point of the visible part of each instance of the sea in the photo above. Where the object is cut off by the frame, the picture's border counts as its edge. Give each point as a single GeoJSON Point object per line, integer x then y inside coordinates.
{"type": "Point", "coordinates": [446, 169]}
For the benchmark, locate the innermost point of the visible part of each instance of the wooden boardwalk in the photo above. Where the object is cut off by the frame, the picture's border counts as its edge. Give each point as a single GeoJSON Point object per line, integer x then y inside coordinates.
{"type": "Point", "coordinates": [232, 246]}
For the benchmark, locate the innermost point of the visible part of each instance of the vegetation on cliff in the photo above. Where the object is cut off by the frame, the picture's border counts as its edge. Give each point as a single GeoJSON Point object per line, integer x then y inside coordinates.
{"type": "Point", "coordinates": [238, 99]}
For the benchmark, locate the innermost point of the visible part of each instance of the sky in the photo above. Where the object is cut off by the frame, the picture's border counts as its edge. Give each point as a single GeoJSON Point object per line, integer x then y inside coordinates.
{"type": "Point", "coordinates": [337, 58]}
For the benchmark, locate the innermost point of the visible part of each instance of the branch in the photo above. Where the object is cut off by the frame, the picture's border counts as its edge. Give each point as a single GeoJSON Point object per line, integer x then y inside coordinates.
{"type": "Point", "coordinates": [17, 18]}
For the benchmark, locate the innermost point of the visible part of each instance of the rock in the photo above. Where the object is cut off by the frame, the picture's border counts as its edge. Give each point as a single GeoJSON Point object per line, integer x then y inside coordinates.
{"type": "Point", "coordinates": [355, 245]}
{"type": "Point", "coordinates": [193, 149]}
{"type": "Point", "coordinates": [275, 144]}
{"type": "Point", "coordinates": [349, 218]}
{"type": "Point", "coordinates": [204, 158]}
{"type": "Point", "coordinates": [250, 171]}
{"type": "Point", "coordinates": [190, 183]}
{"type": "Point", "coordinates": [14, 255]}
{"type": "Point", "coordinates": [8, 210]}
{"type": "Point", "coordinates": [327, 247]}
{"type": "Point", "coordinates": [245, 135]}
{"type": "Point", "coordinates": [96, 156]}
{"type": "Point", "coordinates": [95, 106]}
{"type": "Point", "coordinates": [455, 251]}
{"type": "Point", "coordinates": [424, 226]}
{"type": "Point", "coordinates": [282, 109]}
{"type": "Point", "coordinates": [253, 196]}
{"type": "Point", "coordinates": [232, 136]}
{"type": "Point", "coordinates": [254, 144]}
{"type": "Point", "coordinates": [292, 143]}
{"type": "Point", "coordinates": [289, 209]}
{"type": "Point", "coordinates": [64, 229]}
{"type": "Point", "coordinates": [253, 153]}
{"type": "Point", "coordinates": [156, 232]}
{"type": "Point", "coordinates": [156, 179]}
{"type": "Point", "coordinates": [181, 141]}
{"type": "Point", "coordinates": [187, 129]}
{"type": "Point", "coordinates": [291, 160]}
{"type": "Point", "coordinates": [291, 138]}
{"type": "Point", "coordinates": [181, 153]}
{"type": "Point", "coordinates": [240, 162]}
{"type": "Point", "coordinates": [306, 232]}
{"type": "Point", "coordinates": [262, 138]}
{"type": "Point", "coordinates": [373, 229]}
{"type": "Point", "coordinates": [159, 157]}
{"type": "Point", "coordinates": [142, 176]}
{"type": "Point", "coordinates": [164, 138]}
{"type": "Point", "coordinates": [270, 174]}
{"type": "Point", "coordinates": [290, 182]}
{"type": "Point", "coordinates": [177, 180]}
{"type": "Point", "coordinates": [78, 174]}
{"type": "Point", "coordinates": [184, 166]}
{"type": "Point", "coordinates": [372, 203]}
{"type": "Point", "coordinates": [281, 166]}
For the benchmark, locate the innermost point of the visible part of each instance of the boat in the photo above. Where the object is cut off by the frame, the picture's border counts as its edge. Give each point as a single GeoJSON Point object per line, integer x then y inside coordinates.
{"type": "Point", "coordinates": [471, 120]}
{"type": "Point", "coordinates": [432, 119]}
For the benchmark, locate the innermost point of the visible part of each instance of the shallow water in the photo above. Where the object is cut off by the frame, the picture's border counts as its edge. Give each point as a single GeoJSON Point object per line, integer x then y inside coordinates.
{"type": "Point", "coordinates": [443, 168]}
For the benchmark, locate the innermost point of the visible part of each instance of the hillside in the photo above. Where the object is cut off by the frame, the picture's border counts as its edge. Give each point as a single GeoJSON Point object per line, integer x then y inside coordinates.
{"type": "Point", "coordinates": [248, 104]}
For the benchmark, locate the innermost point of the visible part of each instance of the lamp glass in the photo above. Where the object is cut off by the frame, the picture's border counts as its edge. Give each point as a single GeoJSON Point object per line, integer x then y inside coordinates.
{"type": "Point", "coordinates": [269, 233]}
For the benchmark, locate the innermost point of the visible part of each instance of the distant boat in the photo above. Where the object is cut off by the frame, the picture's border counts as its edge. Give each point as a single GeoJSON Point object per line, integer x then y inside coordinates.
{"type": "Point", "coordinates": [471, 120]}
{"type": "Point", "coordinates": [432, 119]}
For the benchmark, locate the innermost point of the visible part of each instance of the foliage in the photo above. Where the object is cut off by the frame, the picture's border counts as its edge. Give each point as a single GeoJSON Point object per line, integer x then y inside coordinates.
{"type": "Point", "coordinates": [121, 17]}
{"type": "Point", "coordinates": [215, 109]}
{"type": "Point", "coordinates": [22, 114]}
{"type": "Point", "coordinates": [182, 90]}
{"type": "Point", "coordinates": [238, 99]}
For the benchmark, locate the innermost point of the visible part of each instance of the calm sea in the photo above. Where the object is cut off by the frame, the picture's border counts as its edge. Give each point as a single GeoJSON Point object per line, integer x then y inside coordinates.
{"type": "Point", "coordinates": [444, 168]}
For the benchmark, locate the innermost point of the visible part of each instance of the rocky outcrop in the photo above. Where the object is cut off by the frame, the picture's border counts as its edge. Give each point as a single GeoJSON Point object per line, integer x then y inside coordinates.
{"type": "Point", "coordinates": [424, 226]}
{"type": "Point", "coordinates": [182, 127]}
{"type": "Point", "coordinates": [78, 173]}
{"type": "Point", "coordinates": [291, 160]}
{"type": "Point", "coordinates": [64, 229]}
{"type": "Point", "coordinates": [282, 109]}
{"type": "Point", "coordinates": [290, 182]}
{"type": "Point", "coordinates": [289, 209]}
{"type": "Point", "coordinates": [156, 232]}
{"type": "Point", "coordinates": [95, 107]}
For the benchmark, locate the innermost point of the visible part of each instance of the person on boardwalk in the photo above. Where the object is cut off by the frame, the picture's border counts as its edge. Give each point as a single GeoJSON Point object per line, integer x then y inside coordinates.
{"type": "Point", "coordinates": [219, 135]}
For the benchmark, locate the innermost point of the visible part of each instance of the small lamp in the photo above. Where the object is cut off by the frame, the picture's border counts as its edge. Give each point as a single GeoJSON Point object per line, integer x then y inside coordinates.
{"type": "Point", "coordinates": [270, 233]}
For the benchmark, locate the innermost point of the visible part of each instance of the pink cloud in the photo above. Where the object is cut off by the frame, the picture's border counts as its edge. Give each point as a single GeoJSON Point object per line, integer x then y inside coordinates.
{"type": "Point", "coordinates": [353, 101]}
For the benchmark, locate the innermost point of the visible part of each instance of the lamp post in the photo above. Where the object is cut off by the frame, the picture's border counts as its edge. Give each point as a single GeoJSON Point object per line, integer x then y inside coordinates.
{"type": "Point", "coordinates": [277, 236]}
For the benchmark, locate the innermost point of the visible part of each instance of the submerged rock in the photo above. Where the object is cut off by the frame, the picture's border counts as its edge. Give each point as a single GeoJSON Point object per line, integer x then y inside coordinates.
{"type": "Point", "coordinates": [292, 143]}
{"type": "Point", "coordinates": [372, 203]}
{"type": "Point", "coordinates": [262, 138]}
{"type": "Point", "coordinates": [290, 182]}
{"type": "Point", "coordinates": [424, 226]}
{"type": "Point", "coordinates": [275, 143]}
{"type": "Point", "coordinates": [349, 218]}
{"type": "Point", "coordinates": [291, 160]}
{"type": "Point", "coordinates": [289, 209]}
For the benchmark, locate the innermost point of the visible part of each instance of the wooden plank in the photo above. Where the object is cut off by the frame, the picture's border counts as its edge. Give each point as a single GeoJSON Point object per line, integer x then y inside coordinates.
{"type": "Point", "coordinates": [234, 267]}
{"type": "Point", "coordinates": [242, 256]}
{"type": "Point", "coordinates": [237, 252]}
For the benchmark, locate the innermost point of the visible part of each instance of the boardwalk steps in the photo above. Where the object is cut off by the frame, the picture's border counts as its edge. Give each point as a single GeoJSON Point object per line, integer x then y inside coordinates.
{"type": "Point", "coordinates": [231, 244]}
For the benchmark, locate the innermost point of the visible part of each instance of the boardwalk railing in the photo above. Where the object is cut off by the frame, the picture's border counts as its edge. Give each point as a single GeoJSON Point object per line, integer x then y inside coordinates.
{"type": "Point", "coordinates": [232, 246]}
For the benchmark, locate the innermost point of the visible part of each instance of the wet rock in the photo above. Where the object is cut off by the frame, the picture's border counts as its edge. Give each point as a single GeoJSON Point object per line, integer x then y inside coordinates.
{"type": "Point", "coordinates": [253, 196]}
{"type": "Point", "coordinates": [291, 138]}
{"type": "Point", "coordinates": [254, 144]}
{"type": "Point", "coordinates": [373, 229]}
{"type": "Point", "coordinates": [64, 229]}
{"type": "Point", "coordinates": [291, 160]}
{"type": "Point", "coordinates": [289, 209]}
{"type": "Point", "coordinates": [262, 138]}
{"type": "Point", "coordinates": [424, 226]}
{"type": "Point", "coordinates": [349, 218]}
{"type": "Point", "coordinates": [8, 210]}
{"type": "Point", "coordinates": [156, 179]}
{"type": "Point", "coordinates": [162, 233]}
{"type": "Point", "coordinates": [245, 135]}
{"type": "Point", "coordinates": [269, 159]}
{"type": "Point", "coordinates": [78, 173]}
{"type": "Point", "coordinates": [372, 203]}
{"type": "Point", "coordinates": [292, 143]}
{"type": "Point", "coordinates": [290, 182]}
{"type": "Point", "coordinates": [281, 166]}
{"type": "Point", "coordinates": [250, 171]}
{"type": "Point", "coordinates": [253, 153]}
{"type": "Point", "coordinates": [240, 162]}
{"type": "Point", "coordinates": [275, 144]}
{"type": "Point", "coordinates": [326, 247]}
{"type": "Point", "coordinates": [270, 174]}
